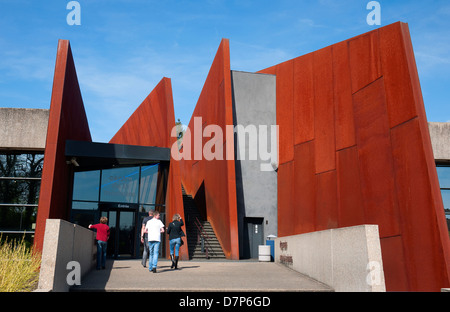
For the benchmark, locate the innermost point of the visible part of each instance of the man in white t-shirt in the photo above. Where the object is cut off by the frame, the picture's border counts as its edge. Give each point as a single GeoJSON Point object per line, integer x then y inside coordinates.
{"type": "Point", "coordinates": [154, 229]}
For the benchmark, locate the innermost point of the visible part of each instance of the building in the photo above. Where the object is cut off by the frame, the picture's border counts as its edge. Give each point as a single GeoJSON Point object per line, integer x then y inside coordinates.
{"type": "Point", "coordinates": [21, 161]}
{"type": "Point", "coordinates": [353, 147]}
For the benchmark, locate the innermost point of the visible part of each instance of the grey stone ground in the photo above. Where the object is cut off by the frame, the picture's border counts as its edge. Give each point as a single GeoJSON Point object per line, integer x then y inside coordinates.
{"type": "Point", "coordinates": [199, 276]}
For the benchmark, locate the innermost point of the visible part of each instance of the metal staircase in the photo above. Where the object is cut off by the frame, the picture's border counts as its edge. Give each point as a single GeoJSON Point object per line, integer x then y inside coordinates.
{"type": "Point", "coordinates": [201, 239]}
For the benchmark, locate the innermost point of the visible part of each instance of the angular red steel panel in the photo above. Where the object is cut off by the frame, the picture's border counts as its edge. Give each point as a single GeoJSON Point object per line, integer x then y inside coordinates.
{"type": "Point", "coordinates": [303, 99]}
{"type": "Point", "coordinates": [428, 269]}
{"type": "Point", "coordinates": [304, 200]}
{"type": "Point", "coordinates": [375, 155]}
{"type": "Point", "coordinates": [326, 200]}
{"type": "Point", "coordinates": [374, 89]}
{"type": "Point", "coordinates": [67, 121]}
{"type": "Point", "coordinates": [350, 199]}
{"type": "Point", "coordinates": [148, 124]}
{"type": "Point", "coordinates": [286, 221]}
{"type": "Point", "coordinates": [399, 93]}
{"type": "Point", "coordinates": [285, 104]}
{"type": "Point", "coordinates": [395, 266]}
{"type": "Point", "coordinates": [436, 199]}
{"type": "Point", "coordinates": [151, 125]}
{"type": "Point", "coordinates": [365, 63]}
{"type": "Point", "coordinates": [345, 127]}
{"type": "Point", "coordinates": [324, 135]}
{"type": "Point", "coordinates": [218, 176]}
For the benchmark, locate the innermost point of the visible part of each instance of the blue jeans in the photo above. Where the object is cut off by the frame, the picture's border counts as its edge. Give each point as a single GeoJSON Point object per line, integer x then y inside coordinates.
{"type": "Point", "coordinates": [145, 253]}
{"type": "Point", "coordinates": [153, 247]}
{"type": "Point", "coordinates": [175, 244]}
{"type": "Point", "coordinates": [101, 253]}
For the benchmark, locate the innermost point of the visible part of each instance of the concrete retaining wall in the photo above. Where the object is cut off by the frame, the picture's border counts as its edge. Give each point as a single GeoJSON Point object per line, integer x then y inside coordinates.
{"type": "Point", "coordinates": [23, 128]}
{"type": "Point", "coordinates": [65, 242]}
{"type": "Point", "coordinates": [440, 137]}
{"type": "Point", "coordinates": [347, 259]}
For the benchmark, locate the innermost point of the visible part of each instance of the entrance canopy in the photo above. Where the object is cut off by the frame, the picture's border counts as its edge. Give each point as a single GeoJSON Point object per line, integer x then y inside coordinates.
{"type": "Point", "coordinates": [104, 155]}
{"type": "Point", "coordinates": [120, 182]}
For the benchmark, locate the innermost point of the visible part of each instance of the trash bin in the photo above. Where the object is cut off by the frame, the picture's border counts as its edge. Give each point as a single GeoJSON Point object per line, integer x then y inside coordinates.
{"type": "Point", "coordinates": [264, 253]}
{"type": "Point", "coordinates": [271, 243]}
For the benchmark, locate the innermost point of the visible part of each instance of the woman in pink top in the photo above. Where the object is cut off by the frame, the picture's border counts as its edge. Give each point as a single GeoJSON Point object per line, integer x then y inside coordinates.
{"type": "Point", "coordinates": [102, 240]}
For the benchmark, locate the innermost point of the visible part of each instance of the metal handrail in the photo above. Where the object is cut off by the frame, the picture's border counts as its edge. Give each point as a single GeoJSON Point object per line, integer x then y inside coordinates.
{"type": "Point", "coordinates": [201, 232]}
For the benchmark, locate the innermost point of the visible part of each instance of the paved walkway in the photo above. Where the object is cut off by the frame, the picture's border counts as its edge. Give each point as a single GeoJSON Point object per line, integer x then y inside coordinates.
{"type": "Point", "coordinates": [199, 276]}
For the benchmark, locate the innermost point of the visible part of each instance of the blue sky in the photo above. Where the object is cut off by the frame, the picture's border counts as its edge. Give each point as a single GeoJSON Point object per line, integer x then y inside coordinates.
{"type": "Point", "coordinates": [123, 48]}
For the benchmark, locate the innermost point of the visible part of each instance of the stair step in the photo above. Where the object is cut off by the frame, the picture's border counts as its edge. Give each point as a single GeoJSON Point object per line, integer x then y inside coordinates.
{"type": "Point", "coordinates": [191, 213]}
{"type": "Point", "coordinates": [203, 256]}
{"type": "Point", "coordinates": [214, 251]}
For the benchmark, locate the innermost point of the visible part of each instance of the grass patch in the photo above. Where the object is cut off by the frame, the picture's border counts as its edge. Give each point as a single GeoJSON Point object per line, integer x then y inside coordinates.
{"type": "Point", "coordinates": [19, 266]}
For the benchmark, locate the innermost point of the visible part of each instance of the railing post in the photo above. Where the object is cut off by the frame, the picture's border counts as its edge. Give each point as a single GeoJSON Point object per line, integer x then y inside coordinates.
{"type": "Point", "coordinates": [201, 235]}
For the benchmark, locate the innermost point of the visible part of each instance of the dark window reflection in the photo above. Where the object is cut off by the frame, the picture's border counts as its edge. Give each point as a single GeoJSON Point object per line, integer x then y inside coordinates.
{"type": "Point", "coordinates": [444, 182]}
{"type": "Point", "coordinates": [86, 185]}
{"type": "Point", "coordinates": [120, 185]}
{"type": "Point", "coordinates": [149, 181]}
{"type": "Point", "coordinates": [20, 181]}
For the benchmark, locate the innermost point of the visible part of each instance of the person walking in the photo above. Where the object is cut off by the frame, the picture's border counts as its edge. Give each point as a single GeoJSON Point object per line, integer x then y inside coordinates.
{"type": "Point", "coordinates": [102, 241]}
{"type": "Point", "coordinates": [154, 229]}
{"type": "Point", "coordinates": [144, 237]}
{"type": "Point", "coordinates": [175, 234]}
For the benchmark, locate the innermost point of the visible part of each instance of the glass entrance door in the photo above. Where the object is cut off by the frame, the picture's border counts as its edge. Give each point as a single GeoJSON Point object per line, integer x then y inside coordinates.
{"type": "Point", "coordinates": [122, 240]}
{"type": "Point", "coordinates": [123, 194]}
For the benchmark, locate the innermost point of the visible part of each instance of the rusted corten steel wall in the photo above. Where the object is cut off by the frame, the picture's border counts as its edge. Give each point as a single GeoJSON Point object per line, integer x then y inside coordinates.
{"type": "Point", "coordinates": [67, 121]}
{"type": "Point", "coordinates": [355, 149]}
{"type": "Point", "coordinates": [151, 125]}
{"type": "Point", "coordinates": [214, 106]}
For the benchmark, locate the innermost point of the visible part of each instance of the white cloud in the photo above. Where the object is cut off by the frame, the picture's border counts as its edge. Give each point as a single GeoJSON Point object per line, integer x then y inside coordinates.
{"type": "Point", "coordinates": [307, 22]}
{"type": "Point", "coordinates": [27, 64]}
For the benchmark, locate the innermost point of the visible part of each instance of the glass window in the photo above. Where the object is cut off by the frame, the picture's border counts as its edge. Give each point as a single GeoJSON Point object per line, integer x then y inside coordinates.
{"type": "Point", "coordinates": [446, 199]}
{"type": "Point", "coordinates": [17, 218]}
{"type": "Point", "coordinates": [85, 205]}
{"type": "Point", "coordinates": [120, 185]}
{"type": "Point", "coordinates": [444, 176]}
{"type": "Point", "coordinates": [444, 182]}
{"type": "Point", "coordinates": [149, 181]}
{"type": "Point", "coordinates": [20, 181]}
{"type": "Point", "coordinates": [19, 191]}
{"type": "Point", "coordinates": [85, 185]}
{"type": "Point", "coordinates": [147, 208]}
{"type": "Point", "coordinates": [84, 213]}
{"type": "Point", "coordinates": [84, 217]}
{"type": "Point", "coordinates": [21, 165]}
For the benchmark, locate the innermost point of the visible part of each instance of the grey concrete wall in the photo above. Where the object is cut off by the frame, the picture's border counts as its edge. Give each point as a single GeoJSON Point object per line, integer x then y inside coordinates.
{"type": "Point", "coordinates": [65, 242]}
{"type": "Point", "coordinates": [23, 128]}
{"type": "Point", "coordinates": [254, 103]}
{"type": "Point", "coordinates": [346, 259]}
{"type": "Point", "coordinates": [440, 140]}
